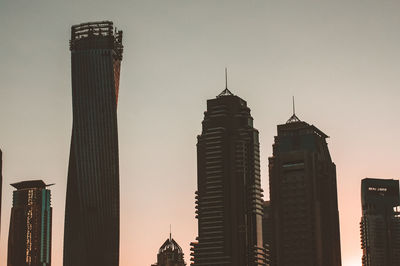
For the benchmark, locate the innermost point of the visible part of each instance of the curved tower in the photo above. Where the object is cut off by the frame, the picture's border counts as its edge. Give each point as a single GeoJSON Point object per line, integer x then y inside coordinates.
{"type": "Point", "coordinates": [91, 234]}
{"type": "Point", "coordinates": [229, 195]}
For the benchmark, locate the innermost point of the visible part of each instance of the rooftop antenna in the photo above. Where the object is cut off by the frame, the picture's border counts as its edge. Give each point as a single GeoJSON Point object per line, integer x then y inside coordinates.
{"type": "Point", "coordinates": [225, 92]}
{"type": "Point", "coordinates": [293, 118]}
{"type": "Point", "coordinates": [294, 107]}
{"type": "Point", "coordinates": [170, 232]}
{"type": "Point", "coordinates": [226, 78]}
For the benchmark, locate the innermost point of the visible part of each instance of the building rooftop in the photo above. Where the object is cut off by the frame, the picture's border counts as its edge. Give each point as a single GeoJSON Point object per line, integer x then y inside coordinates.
{"type": "Point", "coordinates": [30, 184]}
{"type": "Point", "coordinates": [225, 92]}
{"type": "Point", "coordinates": [380, 191]}
{"type": "Point", "coordinates": [170, 245]}
{"type": "Point", "coordinates": [96, 35]}
{"type": "Point", "coordinates": [293, 119]}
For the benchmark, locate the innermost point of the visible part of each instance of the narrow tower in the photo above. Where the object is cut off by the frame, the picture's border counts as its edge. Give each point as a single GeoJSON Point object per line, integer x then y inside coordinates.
{"type": "Point", "coordinates": [91, 234]}
{"type": "Point", "coordinates": [303, 198]}
{"type": "Point", "coordinates": [380, 222]}
{"type": "Point", "coordinates": [29, 240]}
{"type": "Point", "coordinates": [229, 196]}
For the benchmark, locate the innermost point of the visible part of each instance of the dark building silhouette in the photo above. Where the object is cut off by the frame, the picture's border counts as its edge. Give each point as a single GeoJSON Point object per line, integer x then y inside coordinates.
{"type": "Point", "coordinates": [92, 214]}
{"type": "Point", "coordinates": [229, 195]}
{"type": "Point", "coordinates": [170, 254]}
{"type": "Point", "coordinates": [303, 195]}
{"type": "Point", "coordinates": [267, 230]}
{"type": "Point", "coordinates": [380, 222]}
{"type": "Point", "coordinates": [29, 240]}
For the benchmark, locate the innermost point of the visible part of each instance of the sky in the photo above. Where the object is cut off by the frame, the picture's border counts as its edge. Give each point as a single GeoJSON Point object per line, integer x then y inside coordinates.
{"type": "Point", "coordinates": [340, 59]}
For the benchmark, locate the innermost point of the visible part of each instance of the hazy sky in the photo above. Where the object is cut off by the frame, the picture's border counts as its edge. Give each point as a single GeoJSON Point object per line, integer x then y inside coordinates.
{"type": "Point", "coordinates": [339, 58]}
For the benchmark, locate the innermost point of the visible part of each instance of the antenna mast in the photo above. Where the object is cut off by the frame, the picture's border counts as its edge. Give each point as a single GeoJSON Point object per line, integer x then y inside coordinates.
{"type": "Point", "coordinates": [226, 91]}
{"type": "Point", "coordinates": [226, 78]}
{"type": "Point", "coordinates": [293, 118]}
{"type": "Point", "coordinates": [294, 107]}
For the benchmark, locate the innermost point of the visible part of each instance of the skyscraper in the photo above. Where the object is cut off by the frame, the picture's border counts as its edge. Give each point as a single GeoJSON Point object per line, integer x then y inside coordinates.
{"type": "Point", "coordinates": [380, 222]}
{"type": "Point", "coordinates": [229, 195]}
{"type": "Point", "coordinates": [170, 254]}
{"type": "Point", "coordinates": [303, 196]}
{"type": "Point", "coordinates": [29, 240]}
{"type": "Point", "coordinates": [91, 234]}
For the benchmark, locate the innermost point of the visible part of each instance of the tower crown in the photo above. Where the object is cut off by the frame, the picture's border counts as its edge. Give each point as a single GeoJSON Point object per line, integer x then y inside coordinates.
{"type": "Point", "coordinates": [225, 92]}
{"type": "Point", "coordinates": [30, 184]}
{"type": "Point", "coordinates": [170, 245]}
{"type": "Point", "coordinates": [293, 119]}
{"type": "Point", "coordinates": [96, 35]}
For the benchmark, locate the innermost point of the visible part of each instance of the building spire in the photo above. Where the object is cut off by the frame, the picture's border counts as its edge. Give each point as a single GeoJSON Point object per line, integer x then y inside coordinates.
{"type": "Point", "coordinates": [293, 118]}
{"type": "Point", "coordinates": [170, 232]}
{"type": "Point", "coordinates": [226, 78]}
{"type": "Point", "coordinates": [226, 91]}
{"type": "Point", "coordinates": [294, 107]}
